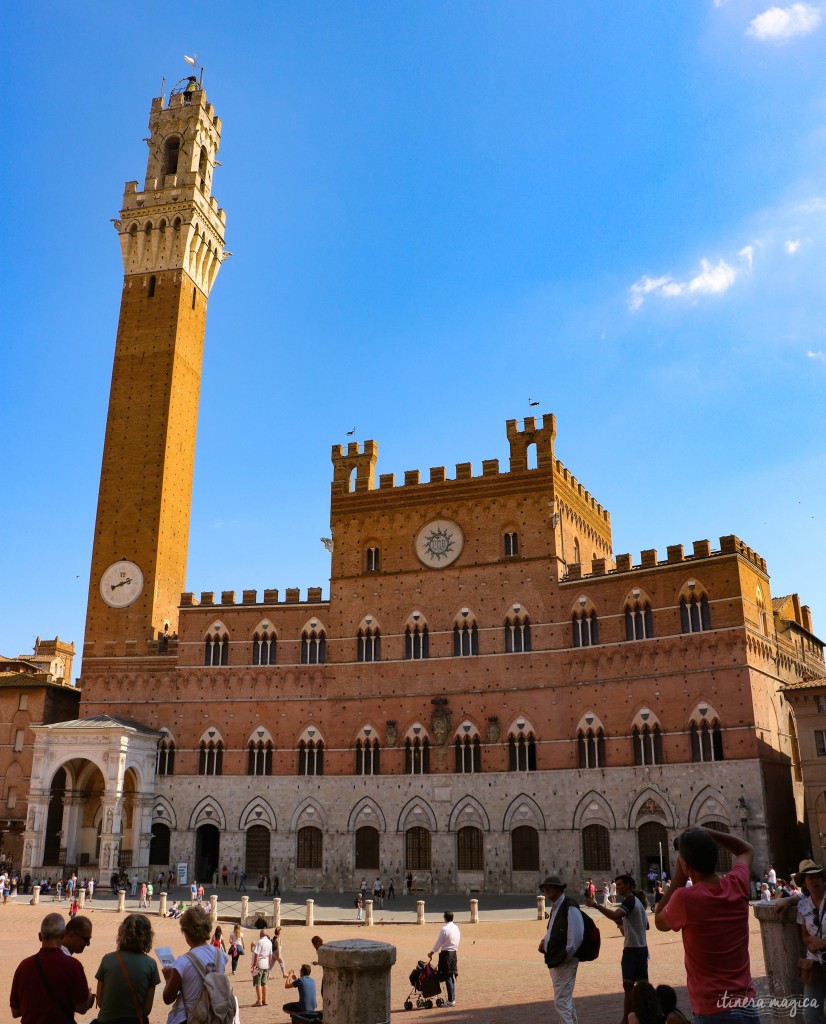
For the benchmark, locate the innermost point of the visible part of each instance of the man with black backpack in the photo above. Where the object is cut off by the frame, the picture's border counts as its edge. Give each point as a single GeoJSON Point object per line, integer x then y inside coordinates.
{"type": "Point", "coordinates": [570, 937]}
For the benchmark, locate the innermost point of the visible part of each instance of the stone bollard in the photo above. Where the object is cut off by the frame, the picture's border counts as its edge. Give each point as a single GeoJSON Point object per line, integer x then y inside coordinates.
{"type": "Point", "coordinates": [162, 905]}
{"type": "Point", "coordinates": [419, 911]}
{"type": "Point", "coordinates": [781, 947]}
{"type": "Point", "coordinates": [540, 908]}
{"type": "Point", "coordinates": [213, 909]}
{"type": "Point", "coordinates": [121, 901]}
{"type": "Point", "coordinates": [245, 909]}
{"type": "Point", "coordinates": [368, 912]}
{"type": "Point", "coordinates": [356, 981]}
{"type": "Point", "coordinates": [474, 911]}
{"type": "Point", "coordinates": [35, 895]}
{"type": "Point", "coordinates": [276, 913]}
{"type": "Point", "coordinates": [308, 921]}
{"type": "Point", "coordinates": [81, 899]}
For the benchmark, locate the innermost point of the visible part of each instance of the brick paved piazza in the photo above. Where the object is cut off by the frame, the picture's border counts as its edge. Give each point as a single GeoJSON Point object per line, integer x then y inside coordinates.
{"type": "Point", "coordinates": [502, 977]}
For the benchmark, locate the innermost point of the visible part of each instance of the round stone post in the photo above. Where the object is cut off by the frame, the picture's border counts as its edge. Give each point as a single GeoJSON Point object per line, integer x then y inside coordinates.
{"type": "Point", "coordinates": [780, 936]}
{"type": "Point", "coordinates": [121, 901]}
{"type": "Point", "coordinates": [540, 908]}
{"type": "Point", "coordinates": [213, 909]}
{"type": "Point", "coordinates": [356, 981]}
{"type": "Point", "coordinates": [35, 895]}
{"type": "Point", "coordinates": [474, 911]}
{"type": "Point", "coordinates": [308, 921]}
{"type": "Point", "coordinates": [276, 913]}
{"type": "Point", "coordinates": [368, 912]}
{"type": "Point", "coordinates": [81, 899]}
{"type": "Point", "coordinates": [161, 904]}
{"type": "Point", "coordinates": [245, 909]}
{"type": "Point", "coordinates": [419, 911]}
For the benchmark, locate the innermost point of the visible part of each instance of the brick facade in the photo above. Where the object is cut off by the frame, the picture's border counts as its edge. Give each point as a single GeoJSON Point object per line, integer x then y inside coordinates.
{"type": "Point", "coordinates": [575, 710]}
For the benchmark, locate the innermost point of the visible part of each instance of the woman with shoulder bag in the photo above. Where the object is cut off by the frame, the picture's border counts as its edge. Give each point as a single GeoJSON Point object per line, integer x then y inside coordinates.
{"type": "Point", "coordinates": [127, 978]}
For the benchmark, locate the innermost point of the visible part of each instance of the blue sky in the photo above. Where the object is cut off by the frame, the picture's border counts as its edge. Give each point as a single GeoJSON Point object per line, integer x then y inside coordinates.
{"type": "Point", "coordinates": [436, 212]}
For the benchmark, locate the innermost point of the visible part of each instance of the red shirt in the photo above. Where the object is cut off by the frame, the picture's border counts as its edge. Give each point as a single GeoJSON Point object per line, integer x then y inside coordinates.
{"type": "Point", "coordinates": [67, 981]}
{"type": "Point", "coordinates": [714, 920]}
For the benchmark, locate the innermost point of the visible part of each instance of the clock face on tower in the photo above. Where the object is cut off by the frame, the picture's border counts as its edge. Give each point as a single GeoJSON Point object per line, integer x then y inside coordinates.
{"type": "Point", "coordinates": [439, 543]}
{"type": "Point", "coordinates": [121, 584]}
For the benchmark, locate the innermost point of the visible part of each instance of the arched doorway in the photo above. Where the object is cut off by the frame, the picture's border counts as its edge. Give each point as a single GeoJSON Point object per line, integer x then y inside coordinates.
{"type": "Point", "coordinates": [367, 848]}
{"type": "Point", "coordinates": [207, 852]}
{"type": "Point", "coordinates": [257, 856]}
{"type": "Point", "coordinates": [159, 846]}
{"type": "Point", "coordinates": [54, 821]}
{"type": "Point", "coordinates": [652, 839]}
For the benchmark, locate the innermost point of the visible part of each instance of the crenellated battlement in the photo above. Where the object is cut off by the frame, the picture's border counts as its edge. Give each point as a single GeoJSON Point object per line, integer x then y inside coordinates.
{"type": "Point", "coordinates": [354, 470]}
{"type": "Point", "coordinates": [521, 440]}
{"type": "Point", "coordinates": [568, 480]}
{"type": "Point", "coordinates": [729, 545]}
{"type": "Point", "coordinates": [360, 462]}
{"type": "Point", "coordinates": [292, 595]}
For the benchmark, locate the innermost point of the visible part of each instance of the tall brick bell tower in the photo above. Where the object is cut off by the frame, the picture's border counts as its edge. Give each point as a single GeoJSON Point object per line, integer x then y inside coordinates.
{"type": "Point", "coordinates": [172, 241]}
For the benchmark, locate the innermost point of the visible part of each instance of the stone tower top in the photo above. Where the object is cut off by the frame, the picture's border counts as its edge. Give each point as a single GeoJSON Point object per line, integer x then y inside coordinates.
{"type": "Point", "coordinates": [175, 222]}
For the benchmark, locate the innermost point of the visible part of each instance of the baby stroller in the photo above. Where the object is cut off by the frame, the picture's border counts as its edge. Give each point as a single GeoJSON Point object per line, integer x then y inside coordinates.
{"type": "Point", "coordinates": [426, 984]}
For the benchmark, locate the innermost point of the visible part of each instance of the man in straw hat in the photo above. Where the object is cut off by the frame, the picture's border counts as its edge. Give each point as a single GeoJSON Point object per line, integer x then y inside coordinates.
{"type": "Point", "coordinates": [810, 913]}
{"type": "Point", "coordinates": [713, 916]}
{"type": "Point", "coordinates": [562, 939]}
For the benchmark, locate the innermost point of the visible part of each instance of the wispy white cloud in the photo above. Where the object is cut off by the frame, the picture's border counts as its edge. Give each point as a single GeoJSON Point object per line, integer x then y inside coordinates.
{"type": "Point", "coordinates": [779, 24]}
{"type": "Point", "coordinates": [747, 253]}
{"type": "Point", "coordinates": [817, 204]}
{"type": "Point", "coordinates": [713, 279]}
{"type": "Point", "coordinates": [819, 357]}
{"type": "Point", "coordinates": [791, 246]}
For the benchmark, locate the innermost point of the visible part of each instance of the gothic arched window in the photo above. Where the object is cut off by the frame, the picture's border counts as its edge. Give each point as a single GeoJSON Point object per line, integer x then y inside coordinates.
{"type": "Point", "coordinates": [468, 752]}
{"type": "Point", "coordinates": [639, 621]}
{"type": "Point", "coordinates": [165, 760]}
{"type": "Point", "coordinates": [311, 757]}
{"type": "Point", "coordinates": [517, 635]}
{"type": "Point", "coordinates": [313, 647]}
{"type": "Point", "coordinates": [369, 644]}
{"type": "Point", "coordinates": [216, 650]}
{"type": "Point", "coordinates": [416, 643]}
{"type": "Point", "coordinates": [263, 648]}
{"type": "Point", "coordinates": [211, 758]}
{"type": "Point", "coordinates": [590, 748]}
{"type": "Point", "coordinates": [695, 616]}
{"type": "Point", "coordinates": [585, 628]}
{"type": "Point", "coordinates": [259, 760]}
{"type": "Point", "coordinates": [417, 756]}
{"type": "Point", "coordinates": [465, 640]}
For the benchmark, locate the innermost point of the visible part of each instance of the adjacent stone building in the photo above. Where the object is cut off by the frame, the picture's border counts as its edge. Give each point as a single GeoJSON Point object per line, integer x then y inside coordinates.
{"type": "Point", "coordinates": [34, 689]}
{"type": "Point", "coordinates": [487, 693]}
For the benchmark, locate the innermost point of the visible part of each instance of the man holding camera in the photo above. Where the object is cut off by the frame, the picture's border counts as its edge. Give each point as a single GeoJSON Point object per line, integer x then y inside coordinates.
{"type": "Point", "coordinates": [811, 911]}
{"type": "Point", "coordinates": [713, 915]}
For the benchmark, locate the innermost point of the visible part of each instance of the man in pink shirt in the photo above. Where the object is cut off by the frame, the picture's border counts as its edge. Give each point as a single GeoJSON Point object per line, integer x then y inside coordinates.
{"type": "Point", "coordinates": [713, 915]}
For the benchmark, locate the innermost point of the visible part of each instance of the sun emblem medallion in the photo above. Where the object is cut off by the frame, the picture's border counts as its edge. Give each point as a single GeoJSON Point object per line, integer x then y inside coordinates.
{"type": "Point", "coordinates": [439, 543]}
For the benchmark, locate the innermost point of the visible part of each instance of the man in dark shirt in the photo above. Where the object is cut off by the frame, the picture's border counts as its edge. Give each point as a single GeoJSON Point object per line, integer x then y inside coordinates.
{"type": "Point", "coordinates": [49, 987]}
